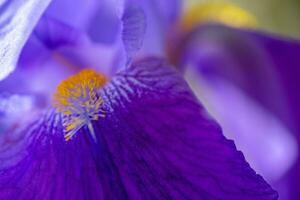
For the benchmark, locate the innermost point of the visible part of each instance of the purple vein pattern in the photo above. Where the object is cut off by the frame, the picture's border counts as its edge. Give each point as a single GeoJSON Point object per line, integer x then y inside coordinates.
{"type": "Point", "coordinates": [156, 142]}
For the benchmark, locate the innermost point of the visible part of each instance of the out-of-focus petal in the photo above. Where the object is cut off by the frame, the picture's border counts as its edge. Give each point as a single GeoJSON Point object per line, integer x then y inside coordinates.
{"type": "Point", "coordinates": [160, 18]}
{"type": "Point", "coordinates": [265, 68]}
{"type": "Point", "coordinates": [249, 124]}
{"type": "Point", "coordinates": [125, 26]}
{"type": "Point", "coordinates": [134, 26]}
{"type": "Point", "coordinates": [54, 33]}
{"type": "Point", "coordinates": [17, 20]}
{"type": "Point", "coordinates": [156, 142]}
{"type": "Point", "coordinates": [79, 47]}
{"type": "Point", "coordinates": [55, 50]}
{"type": "Point", "coordinates": [99, 19]}
{"type": "Point", "coordinates": [12, 107]}
{"type": "Point", "coordinates": [201, 13]}
{"type": "Point", "coordinates": [105, 25]}
{"type": "Point", "coordinates": [62, 50]}
{"type": "Point", "coordinates": [220, 12]}
{"type": "Point", "coordinates": [10, 104]}
{"type": "Point", "coordinates": [76, 14]}
{"type": "Point", "coordinates": [168, 11]}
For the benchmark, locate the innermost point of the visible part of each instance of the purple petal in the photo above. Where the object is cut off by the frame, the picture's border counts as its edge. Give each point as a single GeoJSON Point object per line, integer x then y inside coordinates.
{"type": "Point", "coordinates": [41, 165]}
{"type": "Point", "coordinates": [81, 49]}
{"type": "Point", "coordinates": [17, 19]}
{"type": "Point", "coordinates": [57, 49]}
{"type": "Point", "coordinates": [105, 25]}
{"type": "Point", "coordinates": [265, 70]}
{"type": "Point", "coordinates": [54, 34]}
{"type": "Point", "coordinates": [249, 124]}
{"type": "Point", "coordinates": [42, 66]}
{"type": "Point", "coordinates": [76, 15]}
{"type": "Point", "coordinates": [102, 21]}
{"type": "Point", "coordinates": [168, 10]}
{"type": "Point", "coordinates": [156, 142]}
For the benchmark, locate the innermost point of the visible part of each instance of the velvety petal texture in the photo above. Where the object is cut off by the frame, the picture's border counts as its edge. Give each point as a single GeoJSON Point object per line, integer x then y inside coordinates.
{"type": "Point", "coordinates": [17, 20]}
{"type": "Point", "coordinates": [156, 142]}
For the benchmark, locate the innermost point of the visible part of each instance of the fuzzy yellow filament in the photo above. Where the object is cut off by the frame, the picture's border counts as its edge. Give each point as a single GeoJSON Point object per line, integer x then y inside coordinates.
{"type": "Point", "coordinates": [77, 99]}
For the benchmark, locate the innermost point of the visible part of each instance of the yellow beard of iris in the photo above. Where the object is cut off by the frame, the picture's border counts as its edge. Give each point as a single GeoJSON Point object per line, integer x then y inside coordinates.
{"type": "Point", "coordinates": [76, 98]}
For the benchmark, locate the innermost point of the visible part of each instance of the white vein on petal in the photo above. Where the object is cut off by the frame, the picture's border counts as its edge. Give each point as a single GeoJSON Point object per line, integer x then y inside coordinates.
{"type": "Point", "coordinates": [17, 20]}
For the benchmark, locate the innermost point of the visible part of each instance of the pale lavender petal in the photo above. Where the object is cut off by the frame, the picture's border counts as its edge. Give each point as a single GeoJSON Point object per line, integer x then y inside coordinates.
{"type": "Point", "coordinates": [54, 33]}
{"type": "Point", "coordinates": [105, 24]}
{"type": "Point", "coordinates": [62, 51]}
{"type": "Point", "coordinates": [17, 20]}
{"type": "Point", "coordinates": [81, 49]}
{"type": "Point", "coordinates": [170, 11]}
{"type": "Point", "coordinates": [73, 13]}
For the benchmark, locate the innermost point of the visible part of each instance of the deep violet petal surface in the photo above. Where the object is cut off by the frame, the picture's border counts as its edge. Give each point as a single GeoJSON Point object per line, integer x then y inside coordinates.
{"type": "Point", "coordinates": [156, 142]}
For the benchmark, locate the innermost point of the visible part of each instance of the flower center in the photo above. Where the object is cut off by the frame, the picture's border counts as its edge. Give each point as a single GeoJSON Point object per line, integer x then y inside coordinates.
{"type": "Point", "coordinates": [77, 99]}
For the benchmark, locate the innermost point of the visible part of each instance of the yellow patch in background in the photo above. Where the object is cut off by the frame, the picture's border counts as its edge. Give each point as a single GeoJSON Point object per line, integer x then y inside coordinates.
{"type": "Point", "coordinates": [218, 12]}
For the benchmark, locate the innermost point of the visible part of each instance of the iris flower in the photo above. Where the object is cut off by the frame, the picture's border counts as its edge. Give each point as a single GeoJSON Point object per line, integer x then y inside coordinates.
{"type": "Point", "coordinates": [248, 81]}
{"type": "Point", "coordinates": [127, 127]}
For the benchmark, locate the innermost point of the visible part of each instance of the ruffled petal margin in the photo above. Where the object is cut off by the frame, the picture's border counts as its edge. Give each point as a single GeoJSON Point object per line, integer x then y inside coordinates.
{"type": "Point", "coordinates": [156, 142]}
{"type": "Point", "coordinates": [264, 67]}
